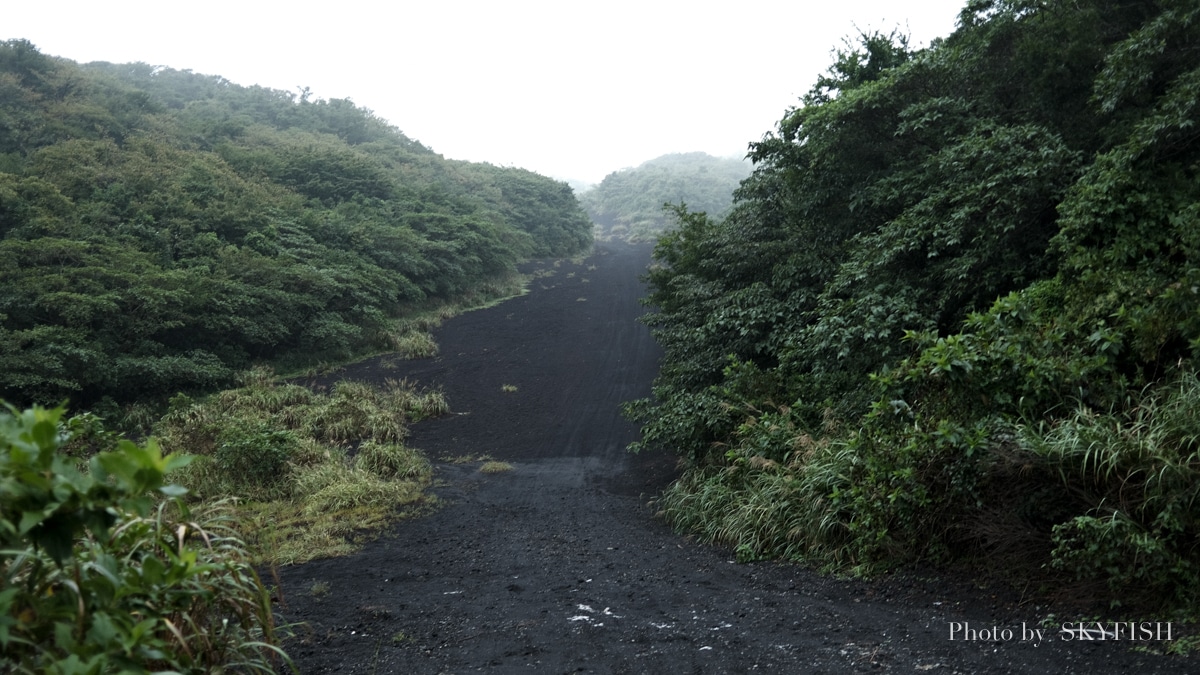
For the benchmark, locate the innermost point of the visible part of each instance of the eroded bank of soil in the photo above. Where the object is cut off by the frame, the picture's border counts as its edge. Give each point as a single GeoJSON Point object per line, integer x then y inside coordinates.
{"type": "Point", "coordinates": [559, 565]}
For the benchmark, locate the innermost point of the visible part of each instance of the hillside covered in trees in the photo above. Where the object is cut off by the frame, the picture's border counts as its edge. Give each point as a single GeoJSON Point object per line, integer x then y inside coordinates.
{"type": "Point", "coordinates": [628, 204]}
{"type": "Point", "coordinates": [161, 229]}
{"type": "Point", "coordinates": [954, 314]}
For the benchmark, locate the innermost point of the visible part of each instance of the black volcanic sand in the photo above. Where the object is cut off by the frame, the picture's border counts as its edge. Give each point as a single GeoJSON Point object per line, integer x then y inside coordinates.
{"type": "Point", "coordinates": [560, 565]}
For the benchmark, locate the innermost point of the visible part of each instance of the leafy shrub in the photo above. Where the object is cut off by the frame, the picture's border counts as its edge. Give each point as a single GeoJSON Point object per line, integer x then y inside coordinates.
{"type": "Point", "coordinates": [254, 455]}
{"type": "Point", "coordinates": [99, 578]}
{"type": "Point", "coordinates": [1135, 562]}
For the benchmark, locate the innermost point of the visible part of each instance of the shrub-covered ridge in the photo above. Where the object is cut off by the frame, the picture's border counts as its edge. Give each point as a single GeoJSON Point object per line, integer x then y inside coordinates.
{"type": "Point", "coordinates": [954, 313]}
{"type": "Point", "coordinates": [161, 230]}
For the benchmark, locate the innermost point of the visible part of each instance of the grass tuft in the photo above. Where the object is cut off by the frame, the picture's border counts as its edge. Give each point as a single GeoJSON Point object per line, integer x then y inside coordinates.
{"type": "Point", "coordinates": [389, 460]}
{"type": "Point", "coordinates": [412, 344]}
{"type": "Point", "coordinates": [495, 467]}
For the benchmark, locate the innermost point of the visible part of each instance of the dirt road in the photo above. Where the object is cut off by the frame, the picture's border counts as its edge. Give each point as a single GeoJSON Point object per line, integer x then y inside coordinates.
{"type": "Point", "coordinates": [559, 566]}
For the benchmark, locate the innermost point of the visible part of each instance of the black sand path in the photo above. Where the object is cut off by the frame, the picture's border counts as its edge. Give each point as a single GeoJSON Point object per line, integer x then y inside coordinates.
{"type": "Point", "coordinates": [559, 566]}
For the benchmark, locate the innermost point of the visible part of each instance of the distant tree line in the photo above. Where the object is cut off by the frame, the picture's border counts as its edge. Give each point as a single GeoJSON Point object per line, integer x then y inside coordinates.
{"type": "Point", "coordinates": [628, 204]}
{"type": "Point", "coordinates": [162, 229]}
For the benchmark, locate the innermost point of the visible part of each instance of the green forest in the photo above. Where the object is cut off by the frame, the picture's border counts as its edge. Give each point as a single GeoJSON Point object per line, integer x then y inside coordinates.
{"type": "Point", "coordinates": [168, 240]}
{"type": "Point", "coordinates": [628, 204]}
{"type": "Point", "coordinates": [162, 230]}
{"type": "Point", "coordinates": [949, 318]}
{"type": "Point", "coordinates": [953, 317]}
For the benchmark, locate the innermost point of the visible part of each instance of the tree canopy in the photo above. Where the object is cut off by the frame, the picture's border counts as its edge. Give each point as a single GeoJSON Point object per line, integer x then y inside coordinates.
{"type": "Point", "coordinates": [161, 229]}
{"type": "Point", "coordinates": [954, 272]}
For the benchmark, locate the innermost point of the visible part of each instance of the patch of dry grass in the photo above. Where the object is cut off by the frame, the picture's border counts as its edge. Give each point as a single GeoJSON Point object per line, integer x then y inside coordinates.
{"type": "Point", "coordinates": [323, 501]}
{"type": "Point", "coordinates": [495, 467]}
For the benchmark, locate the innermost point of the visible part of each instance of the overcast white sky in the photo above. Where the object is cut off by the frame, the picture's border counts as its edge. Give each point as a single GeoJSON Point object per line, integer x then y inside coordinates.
{"type": "Point", "coordinates": [574, 90]}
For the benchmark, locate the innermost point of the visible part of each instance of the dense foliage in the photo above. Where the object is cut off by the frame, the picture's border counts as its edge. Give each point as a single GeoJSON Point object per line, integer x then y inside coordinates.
{"type": "Point", "coordinates": [161, 229]}
{"type": "Point", "coordinates": [106, 570]}
{"type": "Point", "coordinates": [955, 311]}
{"type": "Point", "coordinates": [628, 204]}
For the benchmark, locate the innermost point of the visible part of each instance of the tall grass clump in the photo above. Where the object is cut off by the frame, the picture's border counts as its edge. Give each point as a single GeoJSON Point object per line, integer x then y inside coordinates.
{"type": "Point", "coordinates": [1108, 501]}
{"type": "Point", "coordinates": [353, 411]}
{"type": "Point", "coordinates": [1135, 480]}
{"type": "Point", "coordinates": [347, 488]}
{"type": "Point", "coordinates": [359, 411]}
{"type": "Point", "coordinates": [412, 344]}
{"type": "Point", "coordinates": [390, 460]}
{"type": "Point", "coordinates": [773, 495]}
{"type": "Point", "coordinates": [313, 472]}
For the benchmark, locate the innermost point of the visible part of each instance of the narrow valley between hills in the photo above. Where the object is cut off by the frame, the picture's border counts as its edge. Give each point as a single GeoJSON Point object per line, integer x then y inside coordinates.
{"type": "Point", "coordinates": [559, 565]}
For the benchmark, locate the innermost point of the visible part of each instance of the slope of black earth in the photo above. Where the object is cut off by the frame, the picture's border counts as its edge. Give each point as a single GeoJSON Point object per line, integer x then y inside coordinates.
{"type": "Point", "coordinates": [559, 566]}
